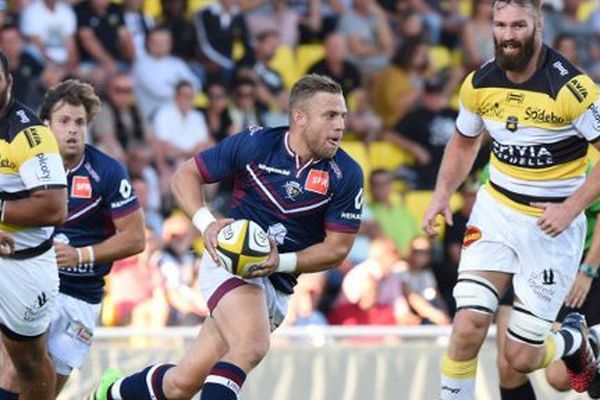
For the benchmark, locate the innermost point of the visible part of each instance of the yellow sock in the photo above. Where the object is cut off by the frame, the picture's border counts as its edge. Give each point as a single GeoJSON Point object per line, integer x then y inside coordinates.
{"type": "Point", "coordinates": [458, 379]}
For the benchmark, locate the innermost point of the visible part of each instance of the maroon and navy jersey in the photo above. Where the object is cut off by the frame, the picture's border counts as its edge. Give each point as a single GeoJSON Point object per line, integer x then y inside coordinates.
{"type": "Point", "coordinates": [295, 203]}
{"type": "Point", "coordinates": [99, 191]}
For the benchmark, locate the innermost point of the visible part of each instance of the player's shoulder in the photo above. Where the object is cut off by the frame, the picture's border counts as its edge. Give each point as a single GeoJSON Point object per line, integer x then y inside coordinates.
{"type": "Point", "coordinates": [21, 119]}
{"type": "Point", "coordinates": [261, 139]}
{"type": "Point", "coordinates": [101, 162]}
{"type": "Point", "coordinates": [344, 166]}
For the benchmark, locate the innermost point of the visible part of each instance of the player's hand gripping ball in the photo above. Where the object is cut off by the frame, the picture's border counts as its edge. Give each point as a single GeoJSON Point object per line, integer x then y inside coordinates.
{"type": "Point", "coordinates": [241, 246]}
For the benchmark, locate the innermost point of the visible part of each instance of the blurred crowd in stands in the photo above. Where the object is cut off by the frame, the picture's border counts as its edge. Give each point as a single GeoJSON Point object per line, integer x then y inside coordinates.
{"type": "Point", "coordinates": [178, 76]}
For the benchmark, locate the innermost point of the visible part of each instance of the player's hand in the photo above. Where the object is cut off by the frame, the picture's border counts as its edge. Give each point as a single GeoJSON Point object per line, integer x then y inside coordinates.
{"type": "Point", "coordinates": [556, 217]}
{"type": "Point", "coordinates": [210, 237]}
{"type": "Point", "coordinates": [66, 256]}
{"type": "Point", "coordinates": [268, 266]}
{"type": "Point", "coordinates": [579, 290]}
{"type": "Point", "coordinates": [7, 244]}
{"type": "Point", "coordinates": [437, 207]}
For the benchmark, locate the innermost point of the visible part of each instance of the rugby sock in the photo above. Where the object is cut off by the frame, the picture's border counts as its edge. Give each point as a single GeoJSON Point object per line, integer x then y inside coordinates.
{"type": "Point", "coordinates": [523, 392]}
{"type": "Point", "coordinates": [7, 395]}
{"type": "Point", "coordinates": [223, 382]}
{"type": "Point", "coordinates": [563, 342]}
{"type": "Point", "coordinates": [144, 385]}
{"type": "Point", "coordinates": [458, 379]}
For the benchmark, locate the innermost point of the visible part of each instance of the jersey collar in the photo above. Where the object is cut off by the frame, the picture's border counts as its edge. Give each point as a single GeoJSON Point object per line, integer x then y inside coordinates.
{"type": "Point", "coordinates": [299, 167]}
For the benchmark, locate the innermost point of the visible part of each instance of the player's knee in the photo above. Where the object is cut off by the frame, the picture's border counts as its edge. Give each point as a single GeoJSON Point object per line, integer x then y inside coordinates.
{"type": "Point", "coordinates": [521, 361]}
{"type": "Point", "coordinates": [506, 372]}
{"type": "Point", "coordinates": [556, 375]}
{"type": "Point", "coordinates": [469, 328]}
{"type": "Point", "coordinates": [252, 352]}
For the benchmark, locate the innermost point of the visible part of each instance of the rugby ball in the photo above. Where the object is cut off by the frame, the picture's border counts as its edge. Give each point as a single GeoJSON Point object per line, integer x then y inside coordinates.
{"type": "Point", "coordinates": [242, 245]}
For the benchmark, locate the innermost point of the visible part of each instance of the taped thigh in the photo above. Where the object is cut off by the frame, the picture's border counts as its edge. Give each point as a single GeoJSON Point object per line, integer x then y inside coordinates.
{"type": "Point", "coordinates": [473, 292]}
{"type": "Point", "coordinates": [525, 327]}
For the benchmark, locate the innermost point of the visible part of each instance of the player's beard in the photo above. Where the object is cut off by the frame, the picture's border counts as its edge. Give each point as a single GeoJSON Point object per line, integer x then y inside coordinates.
{"type": "Point", "coordinates": [519, 61]}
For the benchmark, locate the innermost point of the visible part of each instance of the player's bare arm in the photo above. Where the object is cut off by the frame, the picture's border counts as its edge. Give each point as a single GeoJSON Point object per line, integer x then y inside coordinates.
{"type": "Point", "coordinates": [458, 159]}
{"type": "Point", "coordinates": [583, 281]}
{"type": "Point", "coordinates": [187, 186]}
{"type": "Point", "coordinates": [42, 208]}
{"type": "Point", "coordinates": [128, 240]}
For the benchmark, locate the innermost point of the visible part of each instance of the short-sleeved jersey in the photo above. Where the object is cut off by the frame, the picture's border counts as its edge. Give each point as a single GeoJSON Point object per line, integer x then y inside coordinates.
{"type": "Point", "coordinates": [29, 160]}
{"type": "Point", "coordinates": [99, 192]}
{"type": "Point", "coordinates": [295, 203]}
{"type": "Point", "coordinates": [540, 129]}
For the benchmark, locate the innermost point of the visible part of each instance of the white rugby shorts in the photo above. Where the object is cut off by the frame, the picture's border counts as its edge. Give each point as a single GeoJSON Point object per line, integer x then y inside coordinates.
{"type": "Point", "coordinates": [216, 282]}
{"type": "Point", "coordinates": [499, 238]}
{"type": "Point", "coordinates": [28, 290]}
{"type": "Point", "coordinates": [71, 331]}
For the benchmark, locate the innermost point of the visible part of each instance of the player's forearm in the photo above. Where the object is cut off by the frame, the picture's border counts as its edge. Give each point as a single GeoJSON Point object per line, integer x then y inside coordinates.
{"type": "Point", "coordinates": [321, 257]}
{"type": "Point", "coordinates": [187, 187]}
{"type": "Point", "coordinates": [456, 164]}
{"type": "Point", "coordinates": [593, 255]}
{"type": "Point", "coordinates": [120, 245]}
{"type": "Point", "coordinates": [42, 208]}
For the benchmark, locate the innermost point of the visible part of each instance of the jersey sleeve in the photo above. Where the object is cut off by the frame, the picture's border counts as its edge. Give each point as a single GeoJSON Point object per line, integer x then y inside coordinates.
{"type": "Point", "coordinates": [469, 122]}
{"type": "Point", "coordinates": [37, 158]}
{"type": "Point", "coordinates": [228, 157]}
{"type": "Point", "coordinates": [580, 100]}
{"type": "Point", "coordinates": [345, 210]}
{"type": "Point", "coordinates": [118, 192]}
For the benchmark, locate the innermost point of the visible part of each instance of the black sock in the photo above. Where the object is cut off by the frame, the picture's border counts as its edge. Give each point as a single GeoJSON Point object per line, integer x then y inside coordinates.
{"type": "Point", "coordinates": [523, 392]}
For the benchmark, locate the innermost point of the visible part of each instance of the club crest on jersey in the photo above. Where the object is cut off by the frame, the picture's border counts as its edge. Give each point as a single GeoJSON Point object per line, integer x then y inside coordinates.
{"type": "Point", "coordinates": [317, 181]}
{"type": "Point", "coordinates": [81, 187]}
{"type": "Point", "coordinates": [292, 190]}
{"type": "Point", "coordinates": [512, 123]}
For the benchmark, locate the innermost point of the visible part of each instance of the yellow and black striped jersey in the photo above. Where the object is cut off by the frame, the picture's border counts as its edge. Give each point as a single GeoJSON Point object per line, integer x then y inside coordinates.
{"type": "Point", "coordinates": [29, 160]}
{"type": "Point", "coordinates": [540, 129]}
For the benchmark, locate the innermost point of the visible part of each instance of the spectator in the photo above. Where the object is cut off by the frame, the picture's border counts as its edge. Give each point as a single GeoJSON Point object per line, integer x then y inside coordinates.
{"type": "Point", "coordinates": [372, 291]}
{"type": "Point", "coordinates": [255, 66]}
{"type": "Point", "coordinates": [477, 37]}
{"type": "Point", "coordinates": [369, 35]}
{"type": "Point", "coordinates": [25, 69]}
{"type": "Point", "coordinates": [181, 130]}
{"type": "Point", "coordinates": [179, 267]}
{"type": "Point", "coordinates": [278, 17]}
{"type": "Point", "coordinates": [138, 24]}
{"type": "Point", "coordinates": [216, 113]}
{"type": "Point", "coordinates": [137, 289]}
{"type": "Point", "coordinates": [566, 44]}
{"type": "Point", "coordinates": [156, 73]}
{"type": "Point", "coordinates": [174, 19]}
{"type": "Point", "coordinates": [336, 65]}
{"type": "Point", "coordinates": [244, 110]}
{"type": "Point", "coordinates": [153, 219]}
{"type": "Point", "coordinates": [303, 307]}
{"type": "Point", "coordinates": [50, 25]}
{"type": "Point", "coordinates": [311, 22]}
{"type": "Point", "coordinates": [399, 86]}
{"type": "Point", "coordinates": [396, 222]}
{"type": "Point", "coordinates": [420, 285]}
{"type": "Point", "coordinates": [566, 22]}
{"type": "Point", "coordinates": [119, 122]}
{"type": "Point", "coordinates": [105, 44]}
{"type": "Point", "coordinates": [218, 27]}
{"type": "Point", "coordinates": [425, 131]}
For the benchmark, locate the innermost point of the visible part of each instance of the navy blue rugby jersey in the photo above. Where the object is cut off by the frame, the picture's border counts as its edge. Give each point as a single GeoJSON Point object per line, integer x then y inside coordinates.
{"type": "Point", "coordinates": [295, 203]}
{"type": "Point", "coordinates": [99, 191]}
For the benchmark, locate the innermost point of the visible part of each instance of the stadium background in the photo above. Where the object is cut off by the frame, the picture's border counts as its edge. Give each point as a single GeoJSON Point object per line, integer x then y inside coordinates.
{"type": "Point", "coordinates": [388, 347]}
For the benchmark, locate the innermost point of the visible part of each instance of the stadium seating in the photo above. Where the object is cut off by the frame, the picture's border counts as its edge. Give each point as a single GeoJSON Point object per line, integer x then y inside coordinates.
{"type": "Point", "coordinates": [307, 55]}
{"type": "Point", "coordinates": [417, 202]}
{"type": "Point", "coordinates": [387, 156]}
{"type": "Point", "coordinates": [284, 62]}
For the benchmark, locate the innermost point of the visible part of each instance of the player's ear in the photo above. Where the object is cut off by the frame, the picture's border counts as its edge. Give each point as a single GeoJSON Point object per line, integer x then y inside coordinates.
{"type": "Point", "coordinates": [298, 117]}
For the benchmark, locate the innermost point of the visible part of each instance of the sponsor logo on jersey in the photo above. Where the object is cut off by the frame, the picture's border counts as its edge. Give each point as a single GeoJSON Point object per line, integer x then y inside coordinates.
{"type": "Point", "coordinates": [351, 216]}
{"type": "Point", "coordinates": [81, 187]}
{"type": "Point", "coordinates": [561, 68]}
{"type": "Point", "coordinates": [292, 189]}
{"type": "Point", "coordinates": [472, 234]}
{"type": "Point", "coordinates": [336, 169]}
{"type": "Point", "coordinates": [490, 109]}
{"type": "Point", "coordinates": [542, 284]}
{"type": "Point", "coordinates": [529, 156]}
{"type": "Point", "coordinates": [514, 97]}
{"type": "Point", "coordinates": [273, 170]}
{"type": "Point", "coordinates": [596, 115]}
{"type": "Point", "coordinates": [6, 163]}
{"type": "Point", "coordinates": [543, 116]}
{"type": "Point", "coordinates": [512, 123]}
{"type": "Point", "coordinates": [317, 181]}
{"type": "Point", "coordinates": [578, 90]}
{"type": "Point", "coordinates": [43, 172]}
{"type": "Point", "coordinates": [32, 136]}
